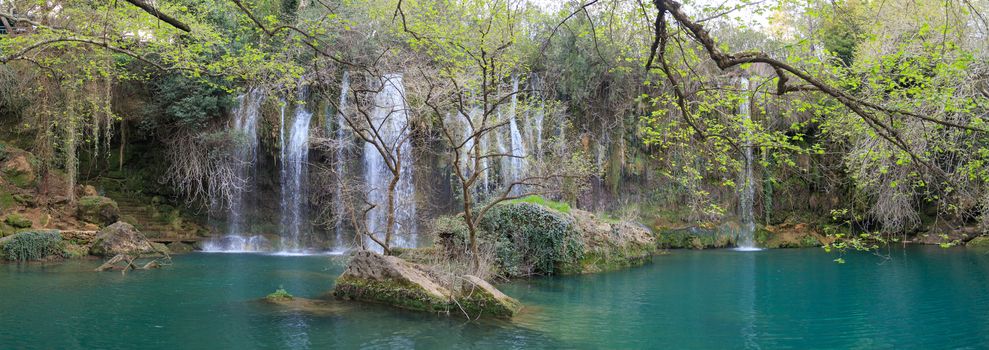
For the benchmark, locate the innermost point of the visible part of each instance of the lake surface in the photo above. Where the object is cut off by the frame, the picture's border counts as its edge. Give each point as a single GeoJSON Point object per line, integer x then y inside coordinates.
{"type": "Point", "coordinates": [919, 297]}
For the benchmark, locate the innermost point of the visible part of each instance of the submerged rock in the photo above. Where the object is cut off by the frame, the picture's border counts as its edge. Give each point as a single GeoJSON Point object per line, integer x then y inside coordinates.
{"type": "Point", "coordinates": [389, 280]}
{"type": "Point", "coordinates": [120, 238]}
{"type": "Point", "coordinates": [98, 210]}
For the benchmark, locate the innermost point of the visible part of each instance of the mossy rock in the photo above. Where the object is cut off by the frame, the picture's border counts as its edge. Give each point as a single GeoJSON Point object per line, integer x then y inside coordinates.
{"type": "Point", "coordinates": [25, 199]}
{"type": "Point", "coordinates": [16, 220]}
{"type": "Point", "coordinates": [479, 298]}
{"type": "Point", "coordinates": [979, 244]}
{"type": "Point", "coordinates": [19, 171]}
{"type": "Point", "coordinates": [98, 210]}
{"type": "Point", "coordinates": [389, 280]}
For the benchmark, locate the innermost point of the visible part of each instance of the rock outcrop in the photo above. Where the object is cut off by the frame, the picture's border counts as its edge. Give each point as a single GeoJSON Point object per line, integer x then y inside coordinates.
{"type": "Point", "coordinates": [790, 235]}
{"type": "Point", "coordinates": [98, 210]}
{"type": "Point", "coordinates": [120, 238]}
{"type": "Point", "coordinates": [389, 280]}
{"type": "Point", "coordinates": [609, 246]}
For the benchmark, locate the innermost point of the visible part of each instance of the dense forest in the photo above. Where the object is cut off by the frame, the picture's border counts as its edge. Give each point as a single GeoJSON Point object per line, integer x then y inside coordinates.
{"type": "Point", "coordinates": [489, 139]}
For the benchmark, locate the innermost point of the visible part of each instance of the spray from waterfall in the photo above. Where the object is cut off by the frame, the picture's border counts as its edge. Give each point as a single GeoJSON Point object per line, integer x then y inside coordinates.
{"type": "Point", "coordinates": [294, 178]}
{"type": "Point", "coordinates": [391, 120]}
{"type": "Point", "coordinates": [244, 121]}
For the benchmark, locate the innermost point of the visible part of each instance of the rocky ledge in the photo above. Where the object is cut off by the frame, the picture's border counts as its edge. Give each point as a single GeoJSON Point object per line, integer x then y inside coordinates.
{"type": "Point", "coordinates": [371, 277]}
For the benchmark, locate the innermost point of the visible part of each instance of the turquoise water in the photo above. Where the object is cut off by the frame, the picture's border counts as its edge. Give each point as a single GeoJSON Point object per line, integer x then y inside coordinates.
{"type": "Point", "coordinates": [920, 297]}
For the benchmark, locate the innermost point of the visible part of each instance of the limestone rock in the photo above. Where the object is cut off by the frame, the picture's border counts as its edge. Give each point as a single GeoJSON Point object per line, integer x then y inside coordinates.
{"type": "Point", "coordinates": [120, 238]}
{"type": "Point", "coordinates": [390, 280]}
{"type": "Point", "coordinates": [98, 210]}
{"type": "Point", "coordinates": [179, 248]}
{"type": "Point", "coordinates": [610, 246]}
{"type": "Point", "coordinates": [481, 298]}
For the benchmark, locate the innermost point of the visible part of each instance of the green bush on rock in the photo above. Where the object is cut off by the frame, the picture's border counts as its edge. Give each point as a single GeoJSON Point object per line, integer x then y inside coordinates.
{"type": "Point", "coordinates": [33, 245]}
{"type": "Point", "coordinates": [531, 239]}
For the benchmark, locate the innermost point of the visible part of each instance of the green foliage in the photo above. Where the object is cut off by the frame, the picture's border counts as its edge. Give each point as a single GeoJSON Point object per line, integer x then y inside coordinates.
{"type": "Point", "coordinates": [531, 240]}
{"type": "Point", "coordinates": [536, 199]}
{"type": "Point", "coordinates": [178, 100]}
{"type": "Point", "coordinates": [33, 245]}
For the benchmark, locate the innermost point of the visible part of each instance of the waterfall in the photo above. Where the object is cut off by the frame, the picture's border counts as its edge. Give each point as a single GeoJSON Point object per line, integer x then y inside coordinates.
{"type": "Point", "coordinates": [517, 160]}
{"type": "Point", "coordinates": [340, 212]}
{"type": "Point", "coordinates": [747, 192]}
{"type": "Point", "coordinates": [294, 179]}
{"type": "Point", "coordinates": [245, 155]}
{"type": "Point", "coordinates": [391, 120]}
{"type": "Point", "coordinates": [538, 149]}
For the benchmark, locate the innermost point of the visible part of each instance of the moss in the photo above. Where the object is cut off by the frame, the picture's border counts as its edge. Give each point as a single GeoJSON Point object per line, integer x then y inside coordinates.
{"type": "Point", "coordinates": [534, 199]}
{"type": "Point", "coordinates": [979, 244]}
{"type": "Point", "coordinates": [17, 221]}
{"type": "Point", "coordinates": [7, 200]}
{"type": "Point", "coordinates": [398, 294]}
{"type": "Point", "coordinates": [21, 180]}
{"type": "Point", "coordinates": [279, 294]}
{"type": "Point", "coordinates": [480, 303]}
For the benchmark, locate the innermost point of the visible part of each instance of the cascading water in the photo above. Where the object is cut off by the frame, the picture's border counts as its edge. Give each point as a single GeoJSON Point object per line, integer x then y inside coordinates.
{"type": "Point", "coordinates": [747, 192]}
{"type": "Point", "coordinates": [518, 148]}
{"type": "Point", "coordinates": [245, 154]}
{"type": "Point", "coordinates": [391, 120]}
{"type": "Point", "coordinates": [340, 211]}
{"type": "Point", "coordinates": [294, 179]}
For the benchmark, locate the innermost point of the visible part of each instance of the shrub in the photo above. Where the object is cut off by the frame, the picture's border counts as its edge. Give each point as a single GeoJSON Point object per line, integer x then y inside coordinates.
{"type": "Point", "coordinates": [33, 245]}
{"type": "Point", "coordinates": [531, 240]}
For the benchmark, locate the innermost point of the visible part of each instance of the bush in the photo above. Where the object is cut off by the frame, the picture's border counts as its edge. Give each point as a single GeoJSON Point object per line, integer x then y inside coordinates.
{"type": "Point", "coordinates": [33, 245]}
{"type": "Point", "coordinates": [532, 240]}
